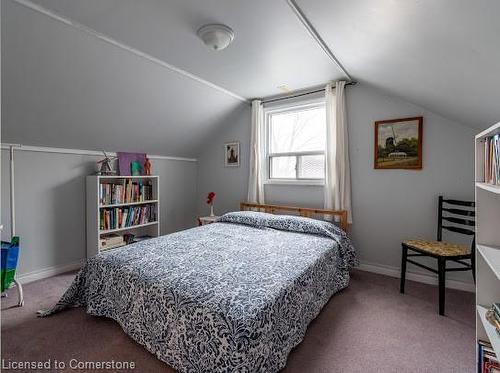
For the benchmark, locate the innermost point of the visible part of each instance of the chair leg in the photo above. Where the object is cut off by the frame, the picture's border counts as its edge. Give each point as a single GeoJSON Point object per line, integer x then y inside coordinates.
{"type": "Point", "coordinates": [442, 279]}
{"type": "Point", "coordinates": [403, 269]}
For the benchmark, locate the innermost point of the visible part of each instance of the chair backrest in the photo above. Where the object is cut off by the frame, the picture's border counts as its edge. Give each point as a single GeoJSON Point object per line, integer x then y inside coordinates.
{"type": "Point", "coordinates": [462, 219]}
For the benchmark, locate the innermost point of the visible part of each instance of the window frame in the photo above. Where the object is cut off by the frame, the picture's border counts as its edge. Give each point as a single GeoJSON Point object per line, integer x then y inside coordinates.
{"type": "Point", "coordinates": [268, 112]}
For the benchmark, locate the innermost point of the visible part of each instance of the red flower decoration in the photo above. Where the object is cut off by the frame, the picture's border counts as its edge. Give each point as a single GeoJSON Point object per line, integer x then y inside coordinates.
{"type": "Point", "coordinates": [210, 198]}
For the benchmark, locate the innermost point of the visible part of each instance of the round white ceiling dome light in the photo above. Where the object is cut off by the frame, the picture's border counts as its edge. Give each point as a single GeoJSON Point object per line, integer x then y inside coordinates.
{"type": "Point", "coordinates": [216, 36]}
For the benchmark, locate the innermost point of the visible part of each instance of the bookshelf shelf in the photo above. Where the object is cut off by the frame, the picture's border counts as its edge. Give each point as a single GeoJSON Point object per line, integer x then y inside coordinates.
{"type": "Point", "coordinates": [493, 336]}
{"type": "Point", "coordinates": [489, 187]}
{"type": "Point", "coordinates": [128, 204]}
{"type": "Point", "coordinates": [127, 228]}
{"type": "Point", "coordinates": [111, 215]}
{"type": "Point", "coordinates": [491, 256]}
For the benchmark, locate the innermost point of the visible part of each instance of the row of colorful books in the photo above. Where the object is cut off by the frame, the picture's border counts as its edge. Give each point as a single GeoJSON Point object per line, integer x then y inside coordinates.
{"type": "Point", "coordinates": [122, 217]}
{"type": "Point", "coordinates": [487, 360]}
{"type": "Point", "coordinates": [126, 192]}
{"type": "Point", "coordinates": [492, 160]}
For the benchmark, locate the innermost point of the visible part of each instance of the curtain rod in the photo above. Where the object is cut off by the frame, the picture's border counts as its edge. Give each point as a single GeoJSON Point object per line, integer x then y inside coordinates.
{"type": "Point", "coordinates": [301, 94]}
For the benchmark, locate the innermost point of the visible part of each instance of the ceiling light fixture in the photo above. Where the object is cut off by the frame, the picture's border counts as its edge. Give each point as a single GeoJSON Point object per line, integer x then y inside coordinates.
{"type": "Point", "coordinates": [216, 36]}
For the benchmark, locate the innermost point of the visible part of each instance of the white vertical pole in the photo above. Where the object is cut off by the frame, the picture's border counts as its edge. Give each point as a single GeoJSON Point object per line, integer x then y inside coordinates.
{"type": "Point", "coordinates": [20, 301]}
{"type": "Point", "coordinates": [12, 199]}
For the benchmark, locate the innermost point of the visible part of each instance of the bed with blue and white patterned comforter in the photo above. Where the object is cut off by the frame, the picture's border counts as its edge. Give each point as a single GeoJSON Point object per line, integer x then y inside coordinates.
{"type": "Point", "coordinates": [233, 296]}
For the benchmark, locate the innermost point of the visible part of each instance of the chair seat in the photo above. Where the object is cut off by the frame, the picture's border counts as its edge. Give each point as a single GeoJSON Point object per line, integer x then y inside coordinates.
{"type": "Point", "coordinates": [440, 248]}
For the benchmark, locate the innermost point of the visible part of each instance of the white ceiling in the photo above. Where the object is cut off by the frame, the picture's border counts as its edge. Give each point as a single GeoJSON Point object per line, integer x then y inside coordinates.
{"type": "Point", "coordinates": [271, 47]}
{"type": "Point", "coordinates": [443, 55]}
{"type": "Point", "coordinates": [64, 87]}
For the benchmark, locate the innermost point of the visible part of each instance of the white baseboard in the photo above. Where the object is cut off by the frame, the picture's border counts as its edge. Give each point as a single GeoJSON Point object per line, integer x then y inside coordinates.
{"type": "Point", "coordinates": [49, 272]}
{"type": "Point", "coordinates": [418, 277]}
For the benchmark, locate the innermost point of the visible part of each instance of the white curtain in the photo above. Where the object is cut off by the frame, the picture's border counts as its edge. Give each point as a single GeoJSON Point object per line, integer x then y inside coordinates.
{"type": "Point", "coordinates": [255, 180]}
{"type": "Point", "coordinates": [337, 171]}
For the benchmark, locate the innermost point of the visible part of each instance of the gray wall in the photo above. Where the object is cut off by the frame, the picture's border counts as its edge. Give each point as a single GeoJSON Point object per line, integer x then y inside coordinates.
{"type": "Point", "coordinates": [50, 204]}
{"type": "Point", "coordinates": [388, 205]}
{"type": "Point", "coordinates": [63, 87]}
{"type": "Point", "coordinates": [229, 183]}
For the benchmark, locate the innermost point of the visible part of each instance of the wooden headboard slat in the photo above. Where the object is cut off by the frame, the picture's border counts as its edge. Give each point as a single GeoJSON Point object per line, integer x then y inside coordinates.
{"type": "Point", "coordinates": [302, 211]}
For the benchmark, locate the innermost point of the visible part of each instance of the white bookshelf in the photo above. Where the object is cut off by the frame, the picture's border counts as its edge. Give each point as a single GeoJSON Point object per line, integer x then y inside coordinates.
{"type": "Point", "coordinates": [487, 198]}
{"type": "Point", "coordinates": [94, 208]}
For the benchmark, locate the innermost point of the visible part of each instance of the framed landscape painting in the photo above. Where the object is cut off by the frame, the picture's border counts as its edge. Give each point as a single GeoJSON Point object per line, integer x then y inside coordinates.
{"type": "Point", "coordinates": [398, 144]}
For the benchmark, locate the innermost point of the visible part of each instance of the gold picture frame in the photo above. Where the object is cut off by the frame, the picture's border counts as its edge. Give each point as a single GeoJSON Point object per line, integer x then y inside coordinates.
{"type": "Point", "coordinates": [398, 144]}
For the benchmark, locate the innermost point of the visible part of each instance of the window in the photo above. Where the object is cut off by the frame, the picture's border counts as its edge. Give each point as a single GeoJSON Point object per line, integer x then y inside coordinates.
{"type": "Point", "coordinates": [295, 146]}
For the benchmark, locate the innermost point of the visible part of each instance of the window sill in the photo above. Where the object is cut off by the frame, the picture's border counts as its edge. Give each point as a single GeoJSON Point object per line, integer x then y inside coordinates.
{"type": "Point", "coordinates": [294, 182]}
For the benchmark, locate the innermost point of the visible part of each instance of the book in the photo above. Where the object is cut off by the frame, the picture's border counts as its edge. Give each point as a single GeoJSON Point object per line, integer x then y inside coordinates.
{"type": "Point", "coordinates": [112, 241]}
{"type": "Point", "coordinates": [496, 308]}
{"type": "Point", "coordinates": [487, 360]}
{"type": "Point", "coordinates": [492, 160]}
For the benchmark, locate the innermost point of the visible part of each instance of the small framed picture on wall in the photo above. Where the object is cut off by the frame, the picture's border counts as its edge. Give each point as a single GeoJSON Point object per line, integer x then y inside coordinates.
{"type": "Point", "coordinates": [232, 154]}
{"type": "Point", "coordinates": [398, 144]}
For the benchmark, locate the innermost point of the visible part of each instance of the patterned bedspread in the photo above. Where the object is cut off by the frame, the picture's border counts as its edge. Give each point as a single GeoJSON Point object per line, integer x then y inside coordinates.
{"type": "Point", "coordinates": [233, 296]}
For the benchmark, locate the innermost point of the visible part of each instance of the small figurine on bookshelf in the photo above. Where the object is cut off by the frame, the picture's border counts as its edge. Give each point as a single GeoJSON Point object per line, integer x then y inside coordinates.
{"type": "Point", "coordinates": [135, 168]}
{"type": "Point", "coordinates": [105, 166]}
{"type": "Point", "coordinates": [147, 167]}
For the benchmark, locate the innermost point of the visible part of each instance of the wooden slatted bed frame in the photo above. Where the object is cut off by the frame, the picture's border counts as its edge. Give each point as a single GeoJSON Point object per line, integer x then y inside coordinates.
{"type": "Point", "coordinates": [302, 211]}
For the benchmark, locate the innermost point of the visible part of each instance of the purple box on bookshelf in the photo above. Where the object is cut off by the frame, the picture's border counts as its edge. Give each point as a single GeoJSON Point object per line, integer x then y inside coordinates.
{"type": "Point", "coordinates": [125, 160]}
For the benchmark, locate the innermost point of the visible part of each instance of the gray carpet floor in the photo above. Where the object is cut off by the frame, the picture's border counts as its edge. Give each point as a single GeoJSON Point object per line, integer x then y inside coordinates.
{"type": "Point", "coordinates": [368, 327]}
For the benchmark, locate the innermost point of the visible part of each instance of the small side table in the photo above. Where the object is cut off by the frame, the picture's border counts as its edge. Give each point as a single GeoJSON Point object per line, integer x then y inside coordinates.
{"type": "Point", "coordinates": [204, 220]}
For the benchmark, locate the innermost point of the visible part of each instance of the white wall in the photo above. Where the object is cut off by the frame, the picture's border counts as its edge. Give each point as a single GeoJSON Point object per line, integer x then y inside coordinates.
{"type": "Point", "coordinates": [50, 204]}
{"type": "Point", "coordinates": [388, 205]}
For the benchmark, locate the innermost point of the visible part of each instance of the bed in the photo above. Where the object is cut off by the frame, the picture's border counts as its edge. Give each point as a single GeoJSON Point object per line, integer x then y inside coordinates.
{"type": "Point", "coordinates": [233, 296]}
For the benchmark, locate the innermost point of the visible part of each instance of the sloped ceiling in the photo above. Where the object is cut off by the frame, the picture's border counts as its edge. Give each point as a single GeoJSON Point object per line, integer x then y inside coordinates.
{"type": "Point", "coordinates": [64, 87]}
{"type": "Point", "coordinates": [271, 47]}
{"type": "Point", "coordinates": [443, 55]}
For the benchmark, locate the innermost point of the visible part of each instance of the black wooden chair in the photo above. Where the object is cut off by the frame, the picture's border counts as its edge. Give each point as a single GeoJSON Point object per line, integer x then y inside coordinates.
{"type": "Point", "coordinates": [441, 250]}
